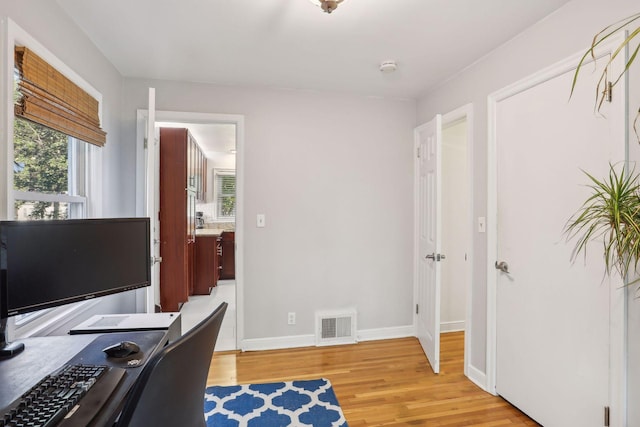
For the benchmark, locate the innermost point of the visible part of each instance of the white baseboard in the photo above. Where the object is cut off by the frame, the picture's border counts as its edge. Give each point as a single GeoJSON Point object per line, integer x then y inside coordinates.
{"type": "Point", "coordinates": [477, 377]}
{"type": "Point", "coordinates": [455, 326]}
{"type": "Point", "coordinates": [276, 343]}
{"type": "Point", "coordinates": [386, 333]}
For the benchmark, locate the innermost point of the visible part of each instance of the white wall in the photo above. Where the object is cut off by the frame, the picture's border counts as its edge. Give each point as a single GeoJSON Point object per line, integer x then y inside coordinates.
{"type": "Point", "coordinates": [565, 32]}
{"type": "Point", "coordinates": [333, 175]}
{"type": "Point", "coordinates": [455, 218]}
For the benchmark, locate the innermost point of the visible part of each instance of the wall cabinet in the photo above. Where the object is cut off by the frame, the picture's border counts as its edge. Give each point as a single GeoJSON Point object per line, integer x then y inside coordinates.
{"type": "Point", "coordinates": [181, 171]}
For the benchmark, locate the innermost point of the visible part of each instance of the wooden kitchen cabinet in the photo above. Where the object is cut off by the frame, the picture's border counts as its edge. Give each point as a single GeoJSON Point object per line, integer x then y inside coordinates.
{"type": "Point", "coordinates": [227, 255]}
{"type": "Point", "coordinates": [178, 193]}
{"type": "Point", "coordinates": [206, 264]}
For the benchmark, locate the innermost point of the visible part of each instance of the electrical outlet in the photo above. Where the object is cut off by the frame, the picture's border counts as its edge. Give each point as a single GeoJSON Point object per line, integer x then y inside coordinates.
{"type": "Point", "coordinates": [291, 318]}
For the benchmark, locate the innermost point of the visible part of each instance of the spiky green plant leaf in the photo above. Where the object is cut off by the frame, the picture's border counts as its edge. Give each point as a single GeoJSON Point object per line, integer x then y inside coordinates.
{"type": "Point", "coordinates": [611, 214]}
{"type": "Point", "coordinates": [604, 82]}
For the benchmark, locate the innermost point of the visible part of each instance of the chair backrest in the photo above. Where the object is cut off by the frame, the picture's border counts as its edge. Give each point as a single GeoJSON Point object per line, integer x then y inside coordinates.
{"type": "Point", "coordinates": [170, 388]}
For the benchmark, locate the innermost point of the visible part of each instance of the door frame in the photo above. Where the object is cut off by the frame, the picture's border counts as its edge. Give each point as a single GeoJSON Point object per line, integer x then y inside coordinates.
{"type": "Point", "coordinates": [203, 118]}
{"type": "Point", "coordinates": [617, 319]}
{"type": "Point", "coordinates": [462, 113]}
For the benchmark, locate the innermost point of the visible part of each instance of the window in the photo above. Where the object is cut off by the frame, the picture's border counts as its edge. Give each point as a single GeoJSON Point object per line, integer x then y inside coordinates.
{"type": "Point", "coordinates": [224, 182]}
{"type": "Point", "coordinates": [48, 173]}
{"type": "Point", "coordinates": [54, 170]}
{"type": "Point", "coordinates": [49, 182]}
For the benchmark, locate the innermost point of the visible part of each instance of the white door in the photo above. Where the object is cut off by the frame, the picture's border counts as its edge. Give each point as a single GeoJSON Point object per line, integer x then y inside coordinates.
{"type": "Point", "coordinates": [428, 139]}
{"type": "Point", "coordinates": [152, 205]}
{"type": "Point", "coordinates": [553, 332]}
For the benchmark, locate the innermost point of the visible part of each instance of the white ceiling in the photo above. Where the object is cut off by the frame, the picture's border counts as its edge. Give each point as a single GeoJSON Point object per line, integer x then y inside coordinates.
{"type": "Point", "coordinates": [212, 138]}
{"type": "Point", "coordinates": [293, 44]}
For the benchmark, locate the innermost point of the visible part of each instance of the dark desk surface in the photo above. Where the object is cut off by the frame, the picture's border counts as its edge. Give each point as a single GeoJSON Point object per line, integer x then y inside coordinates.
{"type": "Point", "coordinates": [43, 355]}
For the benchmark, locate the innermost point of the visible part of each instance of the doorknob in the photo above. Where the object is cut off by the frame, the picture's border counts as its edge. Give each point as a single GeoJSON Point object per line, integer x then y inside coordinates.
{"type": "Point", "coordinates": [502, 266]}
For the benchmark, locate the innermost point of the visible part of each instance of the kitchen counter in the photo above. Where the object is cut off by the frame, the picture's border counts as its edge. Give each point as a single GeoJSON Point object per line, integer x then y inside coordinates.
{"type": "Point", "coordinates": [208, 231]}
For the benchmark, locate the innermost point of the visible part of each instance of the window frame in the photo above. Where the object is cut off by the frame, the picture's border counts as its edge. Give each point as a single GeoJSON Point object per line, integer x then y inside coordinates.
{"type": "Point", "coordinates": [92, 201]}
{"type": "Point", "coordinates": [216, 193]}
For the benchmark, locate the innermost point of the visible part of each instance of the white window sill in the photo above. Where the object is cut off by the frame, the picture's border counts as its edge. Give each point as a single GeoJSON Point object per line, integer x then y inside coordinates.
{"type": "Point", "coordinates": [48, 322]}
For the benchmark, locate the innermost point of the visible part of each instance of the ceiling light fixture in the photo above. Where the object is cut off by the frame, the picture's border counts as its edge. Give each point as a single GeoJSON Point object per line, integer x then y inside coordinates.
{"type": "Point", "coordinates": [327, 5]}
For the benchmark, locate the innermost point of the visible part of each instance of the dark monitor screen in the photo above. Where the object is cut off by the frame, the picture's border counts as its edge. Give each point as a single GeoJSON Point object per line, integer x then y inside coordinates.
{"type": "Point", "coordinates": [53, 262]}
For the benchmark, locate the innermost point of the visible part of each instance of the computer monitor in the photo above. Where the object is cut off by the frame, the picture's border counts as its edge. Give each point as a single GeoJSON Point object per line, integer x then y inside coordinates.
{"type": "Point", "coordinates": [49, 263]}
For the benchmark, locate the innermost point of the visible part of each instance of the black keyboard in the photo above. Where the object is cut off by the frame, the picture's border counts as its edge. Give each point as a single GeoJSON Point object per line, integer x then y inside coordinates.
{"type": "Point", "coordinates": [59, 398]}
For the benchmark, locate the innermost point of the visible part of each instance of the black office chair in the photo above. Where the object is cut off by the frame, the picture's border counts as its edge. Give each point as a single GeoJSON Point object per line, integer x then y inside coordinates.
{"type": "Point", "coordinates": [170, 388]}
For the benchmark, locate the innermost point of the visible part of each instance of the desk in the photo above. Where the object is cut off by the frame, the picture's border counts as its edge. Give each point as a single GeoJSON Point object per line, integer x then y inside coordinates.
{"type": "Point", "coordinates": [43, 355]}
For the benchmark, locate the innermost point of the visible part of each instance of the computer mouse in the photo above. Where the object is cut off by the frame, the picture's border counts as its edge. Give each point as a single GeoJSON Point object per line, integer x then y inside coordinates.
{"type": "Point", "coordinates": [122, 349]}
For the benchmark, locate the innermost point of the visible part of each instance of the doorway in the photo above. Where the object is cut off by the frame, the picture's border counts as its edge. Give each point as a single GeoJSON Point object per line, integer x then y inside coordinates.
{"type": "Point", "coordinates": [456, 206]}
{"type": "Point", "coordinates": [221, 138]}
{"type": "Point", "coordinates": [444, 218]}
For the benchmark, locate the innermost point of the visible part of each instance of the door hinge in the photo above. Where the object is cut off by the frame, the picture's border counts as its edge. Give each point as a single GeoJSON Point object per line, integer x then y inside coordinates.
{"type": "Point", "coordinates": [145, 143]}
{"type": "Point", "coordinates": [417, 309]}
{"type": "Point", "coordinates": [418, 152]}
{"type": "Point", "coordinates": [608, 91]}
{"type": "Point", "coordinates": [606, 416]}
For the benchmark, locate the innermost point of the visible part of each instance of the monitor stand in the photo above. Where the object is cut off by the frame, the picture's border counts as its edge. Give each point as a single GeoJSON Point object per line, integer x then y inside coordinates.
{"type": "Point", "coordinates": [8, 349]}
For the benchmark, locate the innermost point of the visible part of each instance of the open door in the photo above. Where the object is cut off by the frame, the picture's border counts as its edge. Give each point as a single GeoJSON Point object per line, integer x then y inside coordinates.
{"type": "Point", "coordinates": [428, 140]}
{"type": "Point", "coordinates": [152, 205]}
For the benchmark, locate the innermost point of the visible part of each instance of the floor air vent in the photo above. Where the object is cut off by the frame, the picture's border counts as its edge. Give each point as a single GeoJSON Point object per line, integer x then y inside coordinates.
{"type": "Point", "coordinates": [336, 328]}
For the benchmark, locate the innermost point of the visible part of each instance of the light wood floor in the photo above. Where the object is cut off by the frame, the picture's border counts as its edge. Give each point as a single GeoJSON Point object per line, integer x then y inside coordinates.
{"type": "Point", "coordinates": [379, 383]}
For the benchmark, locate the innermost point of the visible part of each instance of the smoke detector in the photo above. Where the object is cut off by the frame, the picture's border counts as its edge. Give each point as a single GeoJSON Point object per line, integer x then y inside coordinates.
{"type": "Point", "coordinates": [388, 66]}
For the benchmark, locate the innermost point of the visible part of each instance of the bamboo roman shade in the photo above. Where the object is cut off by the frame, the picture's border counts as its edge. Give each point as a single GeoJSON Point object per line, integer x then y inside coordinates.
{"type": "Point", "coordinates": [49, 98]}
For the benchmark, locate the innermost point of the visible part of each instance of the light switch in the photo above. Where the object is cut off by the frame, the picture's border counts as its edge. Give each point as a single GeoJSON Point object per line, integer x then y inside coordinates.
{"type": "Point", "coordinates": [260, 220]}
{"type": "Point", "coordinates": [482, 224]}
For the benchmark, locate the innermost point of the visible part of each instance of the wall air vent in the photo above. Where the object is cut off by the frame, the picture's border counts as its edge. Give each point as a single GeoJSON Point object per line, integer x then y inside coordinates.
{"type": "Point", "coordinates": [336, 327]}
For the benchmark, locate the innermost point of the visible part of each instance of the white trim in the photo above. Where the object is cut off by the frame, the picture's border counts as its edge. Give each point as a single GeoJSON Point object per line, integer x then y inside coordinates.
{"type": "Point", "coordinates": [294, 341]}
{"type": "Point", "coordinates": [53, 319]}
{"type": "Point", "coordinates": [386, 333]}
{"type": "Point", "coordinates": [6, 117]}
{"type": "Point", "coordinates": [477, 377]}
{"type": "Point", "coordinates": [453, 326]}
{"type": "Point", "coordinates": [277, 343]}
{"type": "Point", "coordinates": [617, 322]}
{"type": "Point", "coordinates": [203, 118]}
{"type": "Point", "coordinates": [94, 181]}
{"type": "Point", "coordinates": [44, 197]}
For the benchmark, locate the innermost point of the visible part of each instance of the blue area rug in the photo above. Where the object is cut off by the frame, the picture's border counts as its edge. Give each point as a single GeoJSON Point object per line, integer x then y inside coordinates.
{"type": "Point", "coordinates": [291, 403]}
